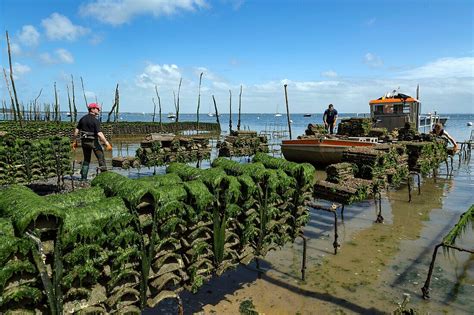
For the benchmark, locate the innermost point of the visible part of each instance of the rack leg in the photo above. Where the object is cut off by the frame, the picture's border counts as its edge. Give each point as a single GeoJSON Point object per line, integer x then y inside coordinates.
{"type": "Point", "coordinates": [303, 263]}
{"type": "Point", "coordinates": [426, 287]}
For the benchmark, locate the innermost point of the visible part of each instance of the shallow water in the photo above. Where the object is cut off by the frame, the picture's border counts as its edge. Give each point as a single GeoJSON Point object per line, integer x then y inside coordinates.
{"type": "Point", "coordinates": [375, 265]}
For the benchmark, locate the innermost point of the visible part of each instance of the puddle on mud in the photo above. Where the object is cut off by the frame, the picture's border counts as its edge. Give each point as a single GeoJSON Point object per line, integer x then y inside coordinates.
{"type": "Point", "coordinates": [375, 265]}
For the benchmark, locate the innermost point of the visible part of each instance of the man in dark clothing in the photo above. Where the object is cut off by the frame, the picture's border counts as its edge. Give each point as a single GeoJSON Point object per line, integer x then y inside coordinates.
{"type": "Point", "coordinates": [89, 130]}
{"type": "Point", "coordinates": [330, 118]}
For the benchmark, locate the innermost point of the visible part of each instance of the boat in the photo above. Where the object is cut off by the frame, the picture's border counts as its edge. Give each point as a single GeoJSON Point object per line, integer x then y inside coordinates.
{"type": "Point", "coordinates": [210, 114]}
{"type": "Point", "coordinates": [171, 116]}
{"type": "Point", "coordinates": [394, 110]}
{"type": "Point", "coordinates": [277, 112]}
{"type": "Point", "coordinates": [307, 115]}
{"type": "Point", "coordinates": [322, 151]}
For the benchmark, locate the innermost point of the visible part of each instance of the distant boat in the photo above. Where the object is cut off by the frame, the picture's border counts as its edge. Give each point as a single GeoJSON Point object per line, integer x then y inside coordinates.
{"type": "Point", "coordinates": [307, 115]}
{"type": "Point", "coordinates": [469, 123]}
{"type": "Point", "coordinates": [277, 113]}
{"type": "Point", "coordinates": [68, 114]}
{"type": "Point", "coordinates": [171, 116]}
{"type": "Point", "coordinates": [210, 114]}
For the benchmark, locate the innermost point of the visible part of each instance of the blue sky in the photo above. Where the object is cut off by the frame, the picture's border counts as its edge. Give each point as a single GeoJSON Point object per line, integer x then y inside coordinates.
{"type": "Point", "coordinates": [344, 52]}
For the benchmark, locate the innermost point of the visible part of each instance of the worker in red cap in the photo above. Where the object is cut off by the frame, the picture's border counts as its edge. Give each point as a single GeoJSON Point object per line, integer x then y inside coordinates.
{"type": "Point", "coordinates": [89, 130]}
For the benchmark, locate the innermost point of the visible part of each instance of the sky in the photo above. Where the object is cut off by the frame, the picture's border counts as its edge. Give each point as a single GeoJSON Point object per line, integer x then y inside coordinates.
{"type": "Point", "coordinates": [344, 52]}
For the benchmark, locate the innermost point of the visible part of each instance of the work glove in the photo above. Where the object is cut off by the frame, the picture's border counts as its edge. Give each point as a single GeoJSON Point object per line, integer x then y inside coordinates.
{"type": "Point", "coordinates": [108, 147]}
{"type": "Point", "coordinates": [74, 145]}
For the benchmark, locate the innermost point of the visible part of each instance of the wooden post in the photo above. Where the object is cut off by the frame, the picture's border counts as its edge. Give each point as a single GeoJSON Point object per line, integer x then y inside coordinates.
{"type": "Point", "coordinates": [13, 81]}
{"type": "Point", "coordinates": [69, 103]}
{"type": "Point", "coordinates": [240, 106]}
{"type": "Point", "coordinates": [117, 102]}
{"type": "Point", "coordinates": [10, 93]}
{"type": "Point", "coordinates": [84, 92]}
{"type": "Point", "coordinates": [199, 103]}
{"type": "Point", "coordinates": [36, 107]}
{"type": "Point", "coordinates": [159, 107]}
{"type": "Point", "coordinates": [215, 108]}
{"type": "Point", "coordinates": [177, 102]}
{"type": "Point", "coordinates": [287, 111]}
{"type": "Point", "coordinates": [230, 112]}
{"type": "Point", "coordinates": [56, 104]}
{"type": "Point", "coordinates": [112, 110]}
{"type": "Point", "coordinates": [154, 109]}
{"type": "Point", "coordinates": [73, 99]}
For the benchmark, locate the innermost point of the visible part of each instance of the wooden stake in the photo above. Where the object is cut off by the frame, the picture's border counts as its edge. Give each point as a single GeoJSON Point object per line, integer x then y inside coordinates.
{"type": "Point", "coordinates": [177, 103]}
{"type": "Point", "coordinates": [84, 92]}
{"type": "Point", "coordinates": [11, 95]}
{"type": "Point", "coordinates": [69, 102]}
{"type": "Point", "coordinates": [240, 106]}
{"type": "Point", "coordinates": [199, 103]}
{"type": "Point", "coordinates": [73, 99]}
{"type": "Point", "coordinates": [36, 107]}
{"type": "Point", "coordinates": [230, 112]}
{"type": "Point", "coordinates": [56, 105]}
{"type": "Point", "coordinates": [154, 109]}
{"type": "Point", "coordinates": [13, 81]}
{"type": "Point", "coordinates": [287, 111]}
{"type": "Point", "coordinates": [159, 107]}
{"type": "Point", "coordinates": [215, 108]}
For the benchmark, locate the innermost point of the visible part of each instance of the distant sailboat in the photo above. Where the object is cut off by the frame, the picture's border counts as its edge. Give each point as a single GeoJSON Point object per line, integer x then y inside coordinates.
{"type": "Point", "coordinates": [277, 113]}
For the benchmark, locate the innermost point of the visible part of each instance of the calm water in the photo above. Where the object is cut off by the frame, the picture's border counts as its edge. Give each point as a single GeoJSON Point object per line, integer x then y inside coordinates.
{"type": "Point", "coordinates": [456, 125]}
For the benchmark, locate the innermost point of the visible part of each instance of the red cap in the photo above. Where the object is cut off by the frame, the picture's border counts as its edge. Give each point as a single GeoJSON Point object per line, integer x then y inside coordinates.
{"type": "Point", "coordinates": [93, 105]}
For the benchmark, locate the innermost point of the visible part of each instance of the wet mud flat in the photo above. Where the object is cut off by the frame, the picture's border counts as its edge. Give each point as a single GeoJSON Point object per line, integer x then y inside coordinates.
{"type": "Point", "coordinates": [374, 267]}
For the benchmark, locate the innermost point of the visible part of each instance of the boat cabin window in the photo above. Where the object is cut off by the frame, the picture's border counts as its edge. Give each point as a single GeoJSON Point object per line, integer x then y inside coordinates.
{"type": "Point", "coordinates": [378, 109]}
{"type": "Point", "coordinates": [402, 108]}
{"type": "Point", "coordinates": [388, 109]}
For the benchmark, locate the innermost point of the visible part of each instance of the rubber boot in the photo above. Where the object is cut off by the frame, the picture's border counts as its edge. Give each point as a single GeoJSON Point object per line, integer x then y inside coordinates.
{"type": "Point", "coordinates": [84, 170]}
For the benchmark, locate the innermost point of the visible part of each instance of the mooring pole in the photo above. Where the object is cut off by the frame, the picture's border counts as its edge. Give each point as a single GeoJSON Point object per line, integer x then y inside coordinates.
{"type": "Point", "coordinates": [287, 111]}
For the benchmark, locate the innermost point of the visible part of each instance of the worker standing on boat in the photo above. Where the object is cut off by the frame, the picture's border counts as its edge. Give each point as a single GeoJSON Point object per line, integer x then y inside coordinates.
{"type": "Point", "coordinates": [440, 132]}
{"type": "Point", "coordinates": [330, 118]}
{"type": "Point", "coordinates": [90, 133]}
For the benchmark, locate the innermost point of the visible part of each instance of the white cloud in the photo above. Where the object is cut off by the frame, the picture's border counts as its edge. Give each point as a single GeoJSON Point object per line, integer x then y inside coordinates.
{"type": "Point", "coordinates": [59, 27]}
{"type": "Point", "coordinates": [158, 75]}
{"type": "Point", "coordinates": [118, 12]}
{"type": "Point", "coordinates": [15, 48]}
{"type": "Point", "coordinates": [443, 68]}
{"type": "Point", "coordinates": [373, 60]}
{"type": "Point", "coordinates": [19, 70]}
{"type": "Point", "coordinates": [443, 82]}
{"type": "Point", "coordinates": [61, 55]}
{"type": "Point", "coordinates": [29, 36]}
{"type": "Point", "coordinates": [329, 74]}
{"type": "Point", "coordinates": [64, 56]}
{"type": "Point", "coordinates": [46, 58]}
